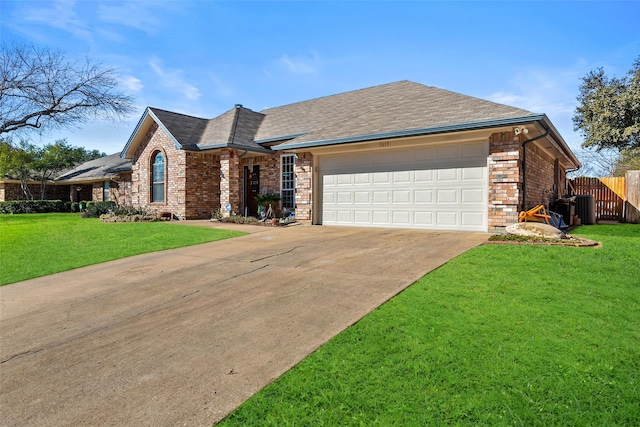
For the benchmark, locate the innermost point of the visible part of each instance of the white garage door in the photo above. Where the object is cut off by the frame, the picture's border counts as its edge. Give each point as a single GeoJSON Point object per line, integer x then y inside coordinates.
{"type": "Point", "coordinates": [440, 187]}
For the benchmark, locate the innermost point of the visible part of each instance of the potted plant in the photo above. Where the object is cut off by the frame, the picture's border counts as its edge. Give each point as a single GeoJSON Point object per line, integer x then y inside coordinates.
{"type": "Point", "coordinates": [267, 203]}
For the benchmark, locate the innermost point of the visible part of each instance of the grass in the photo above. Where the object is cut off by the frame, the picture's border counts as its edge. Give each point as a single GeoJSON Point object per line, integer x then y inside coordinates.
{"type": "Point", "coordinates": [502, 335]}
{"type": "Point", "coordinates": [34, 245]}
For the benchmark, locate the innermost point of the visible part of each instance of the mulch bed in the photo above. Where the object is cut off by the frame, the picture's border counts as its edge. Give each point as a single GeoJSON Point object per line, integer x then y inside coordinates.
{"type": "Point", "coordinates": [568, 240]}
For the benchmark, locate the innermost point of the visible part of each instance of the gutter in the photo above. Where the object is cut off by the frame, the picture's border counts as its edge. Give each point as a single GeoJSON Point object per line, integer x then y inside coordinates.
{"type": "Point", "coordinates": [415, 132]}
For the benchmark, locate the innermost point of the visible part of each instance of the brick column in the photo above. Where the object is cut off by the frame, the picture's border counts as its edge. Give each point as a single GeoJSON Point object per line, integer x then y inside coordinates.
{"type": "Point", "coordinates": [505, 179]}
{"type": "Point", "coordinates": [304, 186]}
{"type": "Point", "coordinates": [229, 182]}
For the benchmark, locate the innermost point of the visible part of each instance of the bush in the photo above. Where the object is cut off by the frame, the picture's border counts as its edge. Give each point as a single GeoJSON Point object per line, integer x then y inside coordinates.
{"type": "Point", "coordinates": [95, 209]}
{"type": "Point", "coordinates": [128, 214]}
{"type": "Point", "coordinates": [75, 207]}
{"type": "Point", "coordinates": [32, 206]}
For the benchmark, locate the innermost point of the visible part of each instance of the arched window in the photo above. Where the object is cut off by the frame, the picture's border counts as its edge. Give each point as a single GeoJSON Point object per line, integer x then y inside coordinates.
{"type": "Point", "coordinates": [157, 178]}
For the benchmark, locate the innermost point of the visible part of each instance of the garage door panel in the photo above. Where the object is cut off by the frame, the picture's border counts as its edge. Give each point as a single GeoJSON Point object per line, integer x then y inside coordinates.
{"type": "Point", "coordinates": [381, 197]}
{"type": "Point", "coordinates": [437, 187]}
{"type": "Point", "coordinates": [423, 218]}
{"type": "Point", "coordinates": [473, 174]}
{"type": "Point", "coordinates": [381, 177]}
{"type": "Point", "coordinates": [344, 197]}
{"type": "Point", "coordinates": [423, 176]}
{"type": "Point", "coordinates": [362, 197]}
{"type": "Point", "coordinates": [447, 196]}
{"type": "Point", "coordinates": [362, 217]}
{"type": "Point", "coordinates": [381, 217]}
{"type": "Point", "coordinates": [362, 179]}
{"type": "Point", "coordinates": [472, 195]}
{"type": "Point", "coordinates": [402, 196]}
{"type": "Point", "coordinates": [423, 196]}
{"type": "Point", "coordinates": [402, 218]}
{"type": "Point", "coordinates": [449, 152]}
{"type": "Point", "coordinates": [447, 174]}
{"type": "Point", "coordinates": [402, 177]}
{"type": "Point", "coordinates": [474, 150]}
{"type": "Point", "coordinates": [344, 216]}
{"type": "Point", "coordinates": [447, 218]}
{"type": "Point", "coordinates": [471, 219]}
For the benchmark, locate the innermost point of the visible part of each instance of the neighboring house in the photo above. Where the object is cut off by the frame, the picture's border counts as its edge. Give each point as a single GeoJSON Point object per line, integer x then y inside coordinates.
{"type": "Point", "coordinates": [397, 155]}
{"type": "Point", "coordinates": [105, 178]}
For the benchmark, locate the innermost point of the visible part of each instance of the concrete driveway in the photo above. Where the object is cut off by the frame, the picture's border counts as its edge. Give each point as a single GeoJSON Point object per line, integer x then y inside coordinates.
{"type": "Point", "coordinates": [182, 337]}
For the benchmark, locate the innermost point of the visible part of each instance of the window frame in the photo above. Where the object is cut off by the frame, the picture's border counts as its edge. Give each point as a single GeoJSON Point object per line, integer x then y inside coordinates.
{"type": "Point", "coordinates": [106, 191]}
{"type": "Point", "coordinates": [288, 183]}
{"type": "Point", "coordinates": [154, 184]}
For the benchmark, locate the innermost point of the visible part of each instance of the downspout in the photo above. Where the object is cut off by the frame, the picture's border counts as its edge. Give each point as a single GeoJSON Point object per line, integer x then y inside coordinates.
{"type": "Point", "coordinates": [524, 165]}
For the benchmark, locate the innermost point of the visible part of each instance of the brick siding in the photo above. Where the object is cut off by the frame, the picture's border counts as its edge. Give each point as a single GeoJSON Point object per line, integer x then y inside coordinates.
{"type": "Point", "coordinates": [505, 180]}
{"type": "Point", "coordinates": [539, 185]}
{"type": "Point", "coordinates": [304, 187]}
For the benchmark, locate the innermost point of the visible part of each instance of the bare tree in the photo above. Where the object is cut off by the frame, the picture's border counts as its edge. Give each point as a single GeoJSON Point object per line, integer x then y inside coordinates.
{"type": "Point", "coordinates": [41, 90]}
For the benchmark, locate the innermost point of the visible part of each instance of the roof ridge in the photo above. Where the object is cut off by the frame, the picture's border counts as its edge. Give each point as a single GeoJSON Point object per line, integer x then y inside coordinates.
{"type": "Point", "coordinates": [339, 94]}
{"type": "Point", "coordinates": [176, 113]}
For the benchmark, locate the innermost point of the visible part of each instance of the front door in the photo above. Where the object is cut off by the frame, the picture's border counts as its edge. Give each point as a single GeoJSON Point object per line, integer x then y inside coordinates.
{"type": "Point", "coordinates": [251, 189]}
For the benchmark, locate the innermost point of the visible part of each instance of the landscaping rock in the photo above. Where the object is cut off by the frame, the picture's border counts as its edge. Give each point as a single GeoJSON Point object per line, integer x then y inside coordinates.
{"type": "Point", "coordinates": [534, 229]}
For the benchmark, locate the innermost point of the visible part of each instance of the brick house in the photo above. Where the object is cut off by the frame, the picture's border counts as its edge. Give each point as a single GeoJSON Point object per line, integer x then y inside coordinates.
{"type": "Point", "coordinates": [105, 178]}
{"type": "Point", "coordinates": [395, 155]}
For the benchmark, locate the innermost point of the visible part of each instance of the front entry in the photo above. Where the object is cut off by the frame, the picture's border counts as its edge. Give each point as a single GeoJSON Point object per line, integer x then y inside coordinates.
{"type": "Point", "coordinates": [251, 189]}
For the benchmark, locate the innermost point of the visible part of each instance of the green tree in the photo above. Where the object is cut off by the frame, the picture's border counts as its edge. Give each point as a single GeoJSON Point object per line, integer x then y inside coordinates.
{"type": "Point", "coordinates": [27, 162]}
{"type": "Point", "coordinates": [629, 160]}
{"type": "Point", "coordinates": [17, 162]}
{"type": "Point", "coordinates": [54, 158]}
{"type": "Point", "coordinates": [608, 114]}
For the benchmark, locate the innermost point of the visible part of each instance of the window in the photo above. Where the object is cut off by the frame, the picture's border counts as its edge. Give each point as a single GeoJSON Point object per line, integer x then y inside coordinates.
{"type": "Point", "coordinates": [157, 178]}
{"type": "Point", "coordinates": [105, 191]}
{"type": "Point", "coordinates": [288, 181]}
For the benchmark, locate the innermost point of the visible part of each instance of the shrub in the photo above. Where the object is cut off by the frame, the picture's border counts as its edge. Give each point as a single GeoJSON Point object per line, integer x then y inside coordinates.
{"type": "Point", "coordinates": [32, 206]}
{"type": "Point", "coordinates": [128, 214]}
{"type": "Point", "coordinates": [95, 209]}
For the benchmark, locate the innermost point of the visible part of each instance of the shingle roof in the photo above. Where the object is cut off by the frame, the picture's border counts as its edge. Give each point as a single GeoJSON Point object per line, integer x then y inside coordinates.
{"type": "Point", "coordinates": [185, 129]}
{"type": "Point", "coordinates": [381, 109]}
{"type": "Point", "coordinates": [236, 127]}
{"type": "Point", "coordinates": [103, 168]}
{"type": "Point", "coordinates": [391, 110]}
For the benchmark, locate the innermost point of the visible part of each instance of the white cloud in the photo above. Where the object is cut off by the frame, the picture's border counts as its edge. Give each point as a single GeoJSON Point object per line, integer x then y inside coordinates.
{"type": "Point", "coordinates": [172, 78]}
{"type": "Point", "coordinates": [60, 15]}
{"type": "Point", "coordinates": [138, 15]}
{"type": "Point", "coordinates": [546, 90]}
{"type": "Point", "coordinates": [131, 83]}
{"type": "Point", "coordinates": [300, 64]}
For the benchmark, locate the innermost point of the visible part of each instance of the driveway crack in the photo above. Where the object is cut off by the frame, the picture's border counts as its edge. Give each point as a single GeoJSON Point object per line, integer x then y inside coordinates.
{"type": "Point", "coordinates": [96, 330]}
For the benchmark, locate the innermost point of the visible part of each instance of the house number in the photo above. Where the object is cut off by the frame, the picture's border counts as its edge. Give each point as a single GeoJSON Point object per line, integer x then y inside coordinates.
{"type": "Point", "coordinates": [384, 144]}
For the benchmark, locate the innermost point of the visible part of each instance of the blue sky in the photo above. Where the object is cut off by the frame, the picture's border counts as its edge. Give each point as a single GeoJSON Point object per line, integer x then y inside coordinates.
{"type": "Point", "coordinates": [202, 57]}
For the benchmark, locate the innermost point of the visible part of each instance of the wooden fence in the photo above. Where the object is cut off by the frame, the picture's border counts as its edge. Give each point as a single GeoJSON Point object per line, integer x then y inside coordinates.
{"type": "Point", "coordinates": [632, 197]}
{"type": "Point", "coordinates": [616, 198]}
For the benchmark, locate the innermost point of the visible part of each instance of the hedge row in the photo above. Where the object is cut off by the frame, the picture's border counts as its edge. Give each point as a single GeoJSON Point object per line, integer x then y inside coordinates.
{"type": "Point", "coordinates": [91, 209]}
{"type": "Point", "coordinates": [34, 206]}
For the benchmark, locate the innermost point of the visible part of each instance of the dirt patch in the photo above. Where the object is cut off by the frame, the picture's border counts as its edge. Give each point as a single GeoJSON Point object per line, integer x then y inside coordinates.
{"type": "Point", "coordinates": [567, 240]}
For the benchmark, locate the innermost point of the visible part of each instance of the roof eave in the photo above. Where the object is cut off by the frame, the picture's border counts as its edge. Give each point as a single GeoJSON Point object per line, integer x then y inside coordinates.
{"type": "Point", "coordinates": [234, 146]}
{"type": "Point", "coordinates": [147, 113]}
{"type": "Point", "coordinates": [415, 132]}
{"type": "Point", "coordinates": [560, 142]}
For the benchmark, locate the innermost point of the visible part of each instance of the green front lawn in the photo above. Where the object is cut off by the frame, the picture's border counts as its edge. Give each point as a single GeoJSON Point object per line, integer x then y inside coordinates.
{"type": "Point", "coordinates": [34, 245]}
{"type": "Point", "coordinates": [502, 335]}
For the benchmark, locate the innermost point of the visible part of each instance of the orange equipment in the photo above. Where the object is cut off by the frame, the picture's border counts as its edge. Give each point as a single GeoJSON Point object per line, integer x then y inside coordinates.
{"type": "Point", "coordinates": [537, 214]}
